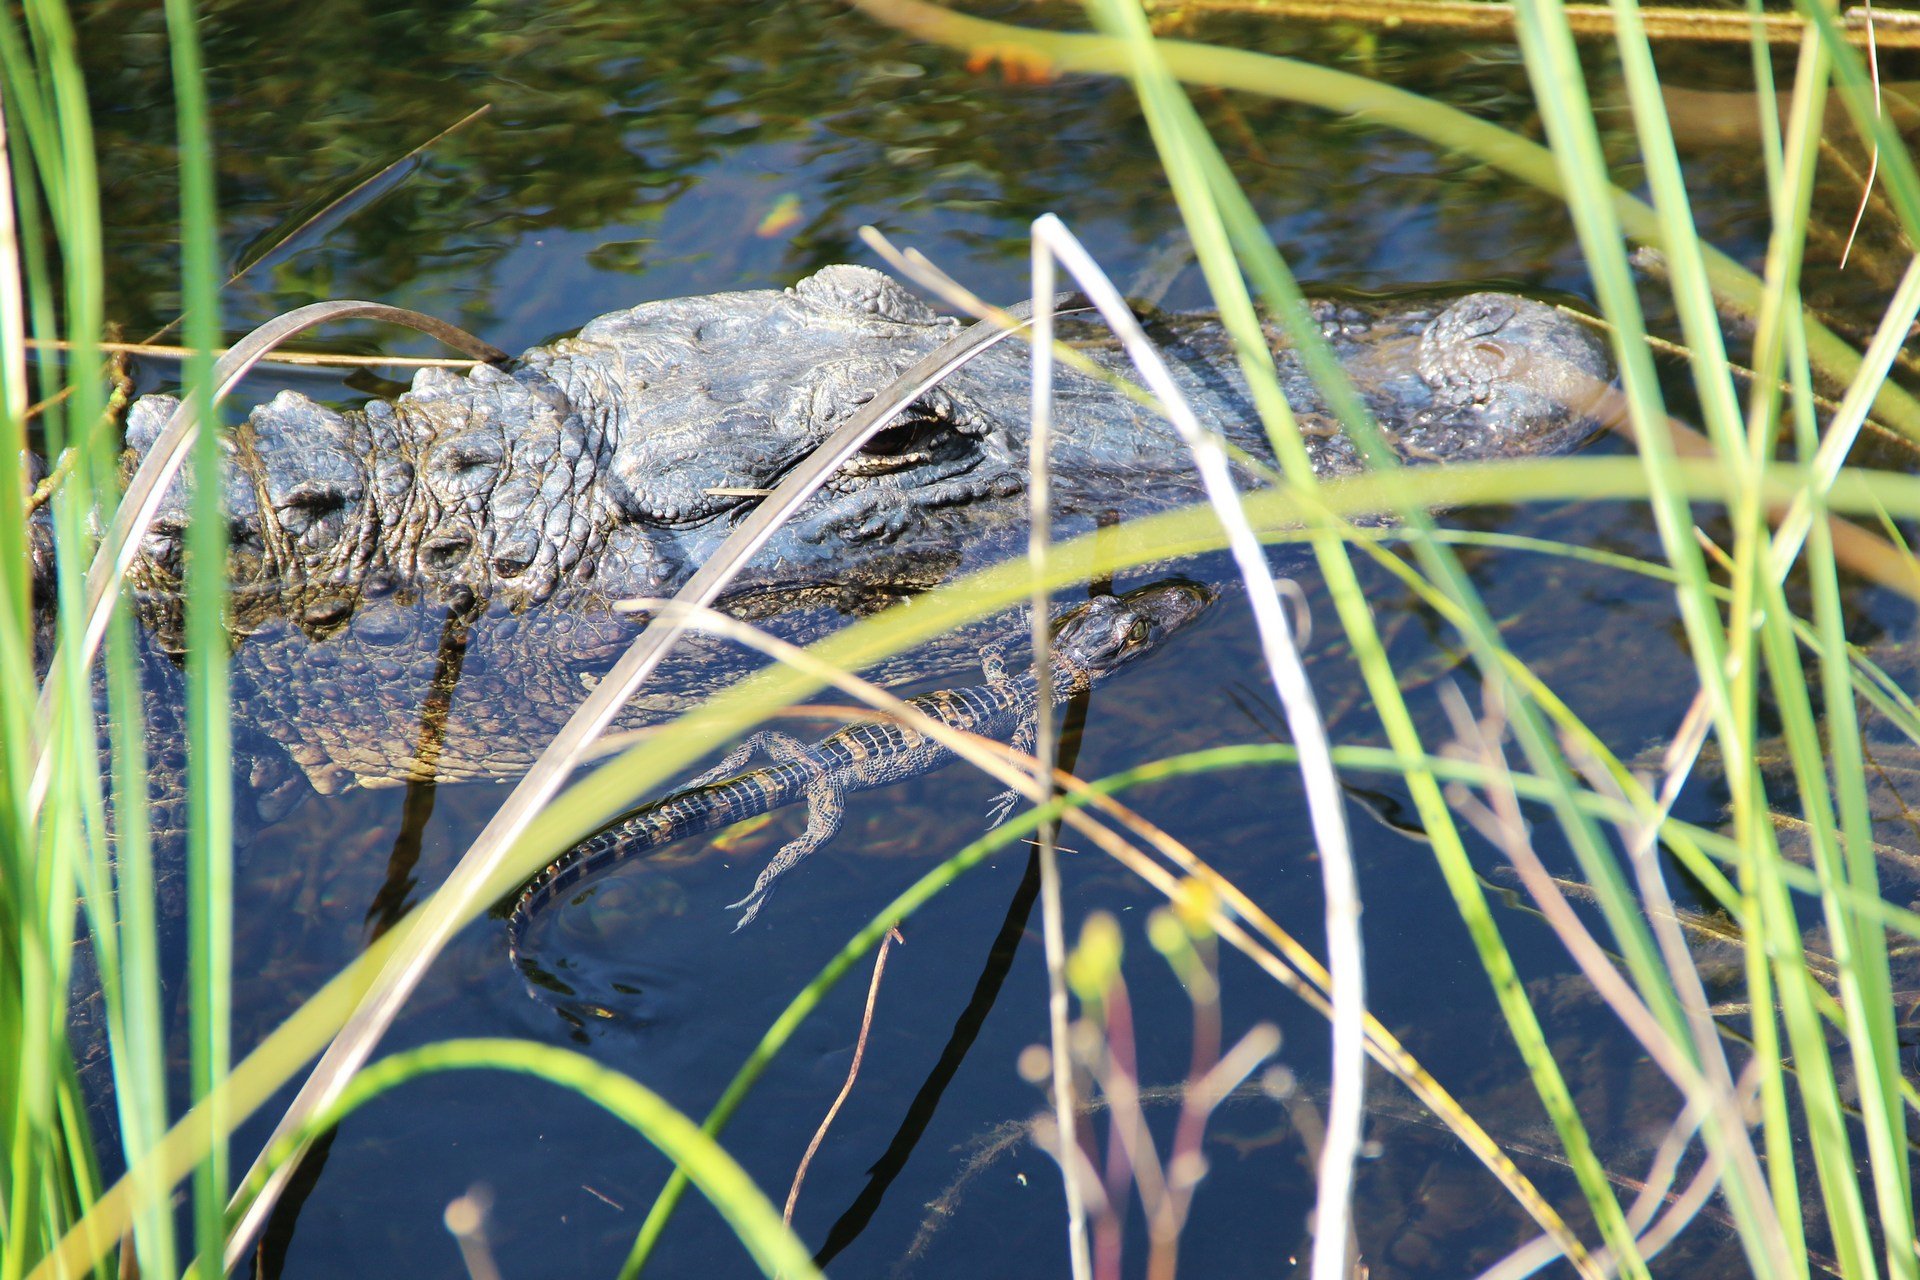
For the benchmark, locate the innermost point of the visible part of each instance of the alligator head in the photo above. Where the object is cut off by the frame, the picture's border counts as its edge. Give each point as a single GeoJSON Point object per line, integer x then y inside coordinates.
{"type": "Point", "coordinates": [714, 399]}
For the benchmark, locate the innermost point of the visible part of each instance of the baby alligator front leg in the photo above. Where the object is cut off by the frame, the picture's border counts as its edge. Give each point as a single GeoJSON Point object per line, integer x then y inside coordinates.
{"type": "Point", "coordinates": [826, 807]}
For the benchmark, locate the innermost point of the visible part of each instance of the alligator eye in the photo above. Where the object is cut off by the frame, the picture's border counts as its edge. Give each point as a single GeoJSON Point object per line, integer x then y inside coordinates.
{"type": "Point", "coordinates": [1138, 633]}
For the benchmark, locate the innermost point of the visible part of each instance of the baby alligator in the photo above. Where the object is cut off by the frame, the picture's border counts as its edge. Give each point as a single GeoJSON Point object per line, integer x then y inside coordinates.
{"type": "Point", "coordinates": [1089, 643]}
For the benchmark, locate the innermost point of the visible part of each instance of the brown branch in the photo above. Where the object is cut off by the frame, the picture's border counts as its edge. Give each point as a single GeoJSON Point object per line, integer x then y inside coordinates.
{"type": "Point", "coordinates": [1893, 30]}
{"type": "Point", "coordinates": [853, 1073]}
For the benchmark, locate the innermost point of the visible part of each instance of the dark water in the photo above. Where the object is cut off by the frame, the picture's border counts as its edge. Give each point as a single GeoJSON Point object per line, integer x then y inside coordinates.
{"type": "Point", "coordinates": [642, 151]}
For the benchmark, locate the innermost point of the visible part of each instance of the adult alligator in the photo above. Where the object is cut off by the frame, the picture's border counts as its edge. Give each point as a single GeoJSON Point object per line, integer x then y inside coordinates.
{"type": "Point", "coordinates": [492, 517]}
{"type": "Point", "coordinates": [605, 463]}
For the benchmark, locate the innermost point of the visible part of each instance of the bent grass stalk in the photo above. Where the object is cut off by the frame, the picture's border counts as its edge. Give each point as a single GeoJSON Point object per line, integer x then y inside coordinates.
{"type": "Point", "coordinates": [1326, 806]}
{"type": "Point", "coordinates": [746, 1209]}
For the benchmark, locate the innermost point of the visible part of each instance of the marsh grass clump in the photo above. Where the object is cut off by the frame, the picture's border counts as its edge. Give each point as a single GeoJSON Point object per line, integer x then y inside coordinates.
{"type": "Point", "coordinates": [1816, 1068]}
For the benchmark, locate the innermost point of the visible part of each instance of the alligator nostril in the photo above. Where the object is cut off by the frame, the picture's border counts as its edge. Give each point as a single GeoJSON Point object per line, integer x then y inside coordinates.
{"type": "Point", "coordinates": [510, 566]}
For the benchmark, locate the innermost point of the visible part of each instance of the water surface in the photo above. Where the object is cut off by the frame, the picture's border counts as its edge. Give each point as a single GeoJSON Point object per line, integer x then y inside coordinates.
{"type": "Point", "coordinates": [640, 151]}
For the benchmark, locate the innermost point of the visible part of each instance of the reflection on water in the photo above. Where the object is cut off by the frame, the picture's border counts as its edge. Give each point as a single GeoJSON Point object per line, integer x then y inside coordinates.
{"type": "Point", "coordinates": [645, 151]}
{"type": "Point", "coordinates": [642, 151]}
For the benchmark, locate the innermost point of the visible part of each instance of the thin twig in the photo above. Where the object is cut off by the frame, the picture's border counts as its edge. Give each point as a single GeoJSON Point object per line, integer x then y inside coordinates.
{"type": "Point", "coordinates": [1186, 1163]}
{"type": "Point", "coordinates": [1650, 262]}
{"type": "Point", "coordinates": [324, 359]}
{"type": "Point", "coordinates": [853, 1073]}
{"type": "Point", "coordinates": [1132, 1160]}
{"type": "Point", "coordinates": [1693, 1199]}
{"type": "Point", "coordinates": [320, 215]}
{"type": "Point", "coordinates": [1503, 825]}
{"type": "Point", "coordinates": [1641, 839]}
{"type": "Point", "coordinates": [1708, 1091]}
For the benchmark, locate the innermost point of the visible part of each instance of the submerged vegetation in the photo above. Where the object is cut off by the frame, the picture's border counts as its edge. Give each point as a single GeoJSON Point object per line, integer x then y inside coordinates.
{"type": "Point", "coordinates": [1792, 1087]}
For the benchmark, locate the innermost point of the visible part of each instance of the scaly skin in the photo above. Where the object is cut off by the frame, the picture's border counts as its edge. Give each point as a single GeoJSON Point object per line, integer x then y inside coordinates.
{"type": "Point", "coordinates": [1091, 643]}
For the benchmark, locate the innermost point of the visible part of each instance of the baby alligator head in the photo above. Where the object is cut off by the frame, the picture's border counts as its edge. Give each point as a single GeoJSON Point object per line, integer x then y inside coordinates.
{"type": "Point", "coordinates": [1108, 632]}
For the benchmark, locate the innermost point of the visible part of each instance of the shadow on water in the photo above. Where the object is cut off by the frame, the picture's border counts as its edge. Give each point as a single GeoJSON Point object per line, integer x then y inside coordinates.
{"type": "Point", "coordinates": [643, 151]}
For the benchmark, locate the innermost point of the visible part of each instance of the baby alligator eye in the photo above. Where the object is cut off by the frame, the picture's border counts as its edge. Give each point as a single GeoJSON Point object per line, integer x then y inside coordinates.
{"type": "Point", "coordinates": [1138, 633]}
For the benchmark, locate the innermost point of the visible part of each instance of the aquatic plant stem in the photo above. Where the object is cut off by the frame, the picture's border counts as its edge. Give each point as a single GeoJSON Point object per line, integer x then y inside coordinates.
{"type": "Point", "coordinates": [209, 741]}
{"type": "Point", "coordinates": [1053, 928]}
{"type": "Point", "coordinates": [1326, 806]}
{"type": "Point", "coordinates": [853, 1074]}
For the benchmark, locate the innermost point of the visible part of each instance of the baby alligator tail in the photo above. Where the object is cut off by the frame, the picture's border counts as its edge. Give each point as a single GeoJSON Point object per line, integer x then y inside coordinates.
{"type": "Point", "coordinates": [690, 812]}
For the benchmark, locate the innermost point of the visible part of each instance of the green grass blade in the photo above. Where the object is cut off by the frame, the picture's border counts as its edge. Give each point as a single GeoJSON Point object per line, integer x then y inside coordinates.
{"type": "Point", "coordinates": [773, 1246]}
{"type": "Point", "coordinates": [209, 783]}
